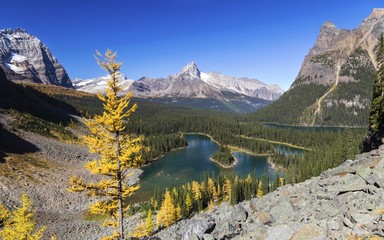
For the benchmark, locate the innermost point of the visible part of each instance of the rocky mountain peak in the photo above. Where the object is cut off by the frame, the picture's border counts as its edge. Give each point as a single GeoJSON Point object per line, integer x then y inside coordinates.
{"type": "Point", "coordinates": [328, 25]}
{"type": "Point", "coordinates": [376, 14]}
{"type": "Point", "coordinates": [191, 70]}
{"type": "Point", "coordinates": [12, 31]}
{"type": "Point", "coordinates": [25, 58]}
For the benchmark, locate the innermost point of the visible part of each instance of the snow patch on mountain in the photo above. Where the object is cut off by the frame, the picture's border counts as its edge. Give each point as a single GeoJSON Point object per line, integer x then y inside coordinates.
{"type": "Point", "coordinates": [13, 62]}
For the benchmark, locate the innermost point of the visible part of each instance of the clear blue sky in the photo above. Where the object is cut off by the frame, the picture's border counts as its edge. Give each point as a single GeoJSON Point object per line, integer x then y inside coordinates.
{"type": "Point", "coordinates": [266, 40]}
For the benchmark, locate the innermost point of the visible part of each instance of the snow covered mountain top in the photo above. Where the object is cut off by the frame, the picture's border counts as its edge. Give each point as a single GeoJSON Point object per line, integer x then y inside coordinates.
{"type": "Point", "coordinates": [99, 84]}
{"type": "Point", "coordinates": [191, 70]}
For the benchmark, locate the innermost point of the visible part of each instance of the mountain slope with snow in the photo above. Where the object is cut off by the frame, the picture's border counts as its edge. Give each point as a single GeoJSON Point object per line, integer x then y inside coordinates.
{"type": "Point", "coordinates": [23, 57]}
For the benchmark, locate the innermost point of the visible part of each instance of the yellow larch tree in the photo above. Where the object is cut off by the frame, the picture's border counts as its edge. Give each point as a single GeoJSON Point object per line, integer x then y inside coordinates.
{"type": "Point", "coordinates": [259, 190]}
{"type": "Point", "coordinates": [227, 189]}
{"type": "Point", "coordinates": [118, 151]}
{"type": "Point", "coordinates": [281, 181]}
{"type": "Point", "coordinates": [218, 190]}
{"type": "Point", "coordinates": [19, 224]}
{"type": "Point", "coordinates": [212, 189]}
{"type": "Point", "coordinates": [167, 214]}
{"type": "Point", "coordinates": [149, 222]}
{"type": "Point", "coordinates": [188, 203]}
{"type": "Point", "coordinates": [196, 191]}
{"type": "Point", "coordinates": [140, 230]}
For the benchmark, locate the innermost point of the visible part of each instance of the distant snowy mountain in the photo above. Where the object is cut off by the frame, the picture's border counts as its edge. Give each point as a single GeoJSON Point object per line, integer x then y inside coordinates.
{"type": "Point", "coordinates": [23, 57]}
{"type": "Point", "coordinates": [191, 82]}
{"type": "Point", "coordinates": [193, 88]}
{"type": "Point", "coordinates": [95, 85]}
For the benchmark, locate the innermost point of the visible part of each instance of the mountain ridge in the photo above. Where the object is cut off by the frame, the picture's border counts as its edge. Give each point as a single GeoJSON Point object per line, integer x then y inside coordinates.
{"type": "Point", "coordinates": [195, 84]}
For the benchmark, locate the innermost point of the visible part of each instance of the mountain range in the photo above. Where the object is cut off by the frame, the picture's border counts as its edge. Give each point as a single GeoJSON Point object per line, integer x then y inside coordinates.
{"type": "Point", "coordinates": [192, 87]}
{"type": "Point", "coordinates": [334, 85]}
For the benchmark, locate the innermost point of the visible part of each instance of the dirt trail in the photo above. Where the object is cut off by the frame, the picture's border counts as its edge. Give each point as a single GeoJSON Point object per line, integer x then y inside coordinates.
{"type": "Point", "coordinates": [320, 100]}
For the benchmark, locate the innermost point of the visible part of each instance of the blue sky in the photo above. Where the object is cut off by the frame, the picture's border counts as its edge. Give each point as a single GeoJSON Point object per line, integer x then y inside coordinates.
{"type": "Point", "coordinates": [267, 40]}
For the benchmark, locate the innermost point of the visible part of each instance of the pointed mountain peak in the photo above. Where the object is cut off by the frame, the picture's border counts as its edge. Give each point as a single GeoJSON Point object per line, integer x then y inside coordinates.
{"type": "Point", "coordinates": [329, 25]}
{"type": "Point", "coordinates": [376, 15]}
{"type": "Point", "coordinates": [191, 70]}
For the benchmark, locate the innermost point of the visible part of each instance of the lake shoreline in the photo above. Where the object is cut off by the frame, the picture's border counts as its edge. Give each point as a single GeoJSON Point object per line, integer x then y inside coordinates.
{"type": "Point", "coordinates": [275, 142]}
{"type": "Point", "coordinates": [233, 149]}
{"type": "Point", "coordinates": [225, 166]}
{"type": "Point", "coordinates": [163, 155]}
{"type": "Point", "coordinates": [275, 166]}
{"type": "Point", "coordinates": [243, 150]}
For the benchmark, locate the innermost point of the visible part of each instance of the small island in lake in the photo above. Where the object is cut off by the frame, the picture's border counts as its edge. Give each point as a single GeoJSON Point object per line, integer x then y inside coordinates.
{"type": "Point", "coordinates": [224, 157]}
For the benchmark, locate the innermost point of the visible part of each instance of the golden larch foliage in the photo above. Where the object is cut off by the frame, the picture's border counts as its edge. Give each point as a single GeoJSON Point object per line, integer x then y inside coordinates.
{"type": "Point", "coordinates": [196, 191]}
{"type": "Point", "coordinates": [140, 231]}
{"type": "Point", "coordinates": [118, 151]}
{"type": "Point", "coordinates": [19, 224]}
{"type": "Point", "coordinates": [281, 181]}
{"type": "Point", "coordinates": [259, 190]}
{"type": "Point", "coordinates": [227, 189]}
{"type": "Point", "coordinates": [188, 203]}
{"type": "Point", "coordinates": [167, 214]}
{"type": "Point", "coordinates": [212, 189]}
{"type": "Point", "coordinates": [149, 222]}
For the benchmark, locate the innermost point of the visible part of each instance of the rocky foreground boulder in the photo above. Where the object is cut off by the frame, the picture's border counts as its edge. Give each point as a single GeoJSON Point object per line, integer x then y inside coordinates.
{"type": "Point", "coordinates": [343, 202]}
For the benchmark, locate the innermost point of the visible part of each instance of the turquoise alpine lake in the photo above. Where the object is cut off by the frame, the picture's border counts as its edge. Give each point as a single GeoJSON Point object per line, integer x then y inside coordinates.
{"type": "Point", "coordinates": [192, 163]}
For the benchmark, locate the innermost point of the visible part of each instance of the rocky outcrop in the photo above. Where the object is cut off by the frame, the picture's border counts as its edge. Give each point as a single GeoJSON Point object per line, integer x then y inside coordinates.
{"type": "Point", "coordinates": [25, 58]}
{"type": "Point", "coordinates": [342, 202]}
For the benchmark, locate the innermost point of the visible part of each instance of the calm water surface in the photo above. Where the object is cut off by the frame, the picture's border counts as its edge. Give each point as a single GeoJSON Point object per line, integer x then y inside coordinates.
{"type": "Point", "coordinates": [191, 163]}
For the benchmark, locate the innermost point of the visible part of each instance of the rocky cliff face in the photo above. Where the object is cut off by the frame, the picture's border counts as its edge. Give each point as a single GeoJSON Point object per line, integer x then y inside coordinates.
{"type": "Point", "coordinates": [25, 58]}
{"type": "Point", "coordinates": [336, 77]}
{"type": "Point", "coordinates": [346, 202]}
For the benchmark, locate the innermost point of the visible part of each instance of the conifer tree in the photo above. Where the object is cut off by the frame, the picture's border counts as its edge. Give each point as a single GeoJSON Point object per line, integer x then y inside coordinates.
{"type": "Point", "coordinates": [140, 230]}
{"type": "Point", "coordinates": [167, 213]}
{"type": "Point", "coordinates": [118, 151]}
{"type": "Point", "coordinates": [188, 203]}
{"type": "Point", "coordinates": [376, 117]}
{"type": "Point", "coordinates": [281, 181]}
{"type": "Point", "coordinates": [148, 222]}
{"type": "Point", "coordinates": [19, 224]}
{"type": "Point", "coordinates": [212, 189]}
{"type": "Point", "coordinates": [196, 191]}
{"type": "Point", "coordinates": [227, 189]}
{"type": "Point", "coordinates": [260, 190]}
